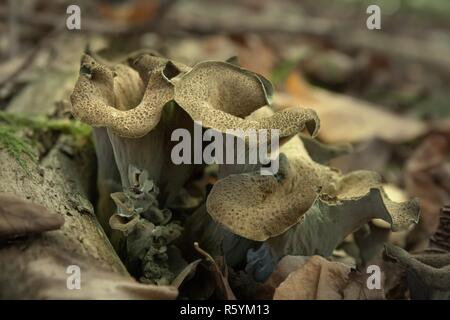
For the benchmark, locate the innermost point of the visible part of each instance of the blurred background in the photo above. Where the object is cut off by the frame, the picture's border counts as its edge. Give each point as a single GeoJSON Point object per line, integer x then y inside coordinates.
{"type": "Point", "coordinates": [384, 91]}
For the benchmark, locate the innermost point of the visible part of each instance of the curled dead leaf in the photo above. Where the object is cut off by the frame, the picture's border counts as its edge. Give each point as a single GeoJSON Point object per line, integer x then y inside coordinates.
{"type": "Point", "coordinates": [19, 217]}
{"type": "Point", "coordinates": [187, 272]}
{"type": "Point", "coordinates": [320, 279]}
{"type": "Point", "coordinates": [221, 277]}
{"type": "Point", "coordinates": [346, 119]}
{"type": "Point", "coordinates": [285, 266]}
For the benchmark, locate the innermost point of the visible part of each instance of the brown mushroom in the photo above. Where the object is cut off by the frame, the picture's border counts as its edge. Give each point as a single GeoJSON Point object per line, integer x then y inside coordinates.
{"type": "Point", "coordinates": [261, 207]}
{"type": "Point", "coordinates": [139, 121]}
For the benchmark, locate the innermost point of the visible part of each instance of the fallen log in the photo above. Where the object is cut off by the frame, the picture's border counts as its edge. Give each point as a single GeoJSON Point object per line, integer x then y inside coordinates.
{"type": "Point", "coordinates": [48, 175]}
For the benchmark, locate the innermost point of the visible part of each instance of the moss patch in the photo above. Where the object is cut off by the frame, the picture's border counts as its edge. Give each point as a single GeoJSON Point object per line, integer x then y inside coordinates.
{"type": "Point", "coordinates": [17, 147]}
{"type": "Point", "coordinates": [21, 146]}
{"type": "Point", "coordinates": [42, 123]}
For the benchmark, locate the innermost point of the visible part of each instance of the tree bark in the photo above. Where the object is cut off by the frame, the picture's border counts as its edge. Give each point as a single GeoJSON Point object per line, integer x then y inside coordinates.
{"type": "Point", "coordinates": [37, 266]}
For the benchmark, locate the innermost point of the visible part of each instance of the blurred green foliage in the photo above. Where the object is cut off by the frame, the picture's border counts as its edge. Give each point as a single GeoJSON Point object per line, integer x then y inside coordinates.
{"type": "Point", "coordinates": [20, 145]}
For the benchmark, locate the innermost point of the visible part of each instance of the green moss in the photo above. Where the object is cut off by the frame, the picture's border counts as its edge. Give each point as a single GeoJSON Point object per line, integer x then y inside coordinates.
{"type": "Point", "coordinates": [21, 148]}
{"type": "Point", "coordinates": [17, 147]}
{"type": "Point", "coordinates": [42, 123]}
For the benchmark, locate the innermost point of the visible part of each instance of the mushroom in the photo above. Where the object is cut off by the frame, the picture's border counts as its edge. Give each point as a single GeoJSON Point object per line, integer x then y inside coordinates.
{"type": "Point", "coordinates": [306, 208]}
{"type": "Point", "coordinates": [141, 100]}
{"type": "Point", "coordinates": [427, 273]}
{"type": "Point", "coordinates": [217, 93]}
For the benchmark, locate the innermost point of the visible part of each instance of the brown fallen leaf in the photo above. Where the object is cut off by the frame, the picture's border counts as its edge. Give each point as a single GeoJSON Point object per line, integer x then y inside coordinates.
{"type": "Point", "coordinates": [132, 12]}
{"type": "Point", "coordinates": [187, 272]}
{"type": "Point", "coordinates": [320, 279]}
{"type": "Point", "coordinates": [428, 177]}
{"type": "Point", "coordinates": [19, 217]}
{"type": "Point", "coordinates": [221, 277]}
{"type": "Point", "coordinates": [346, 119]}
{"type": "Point", "coordinates": [285, 266]}
{"type": "Point", "coordinates": [253, 53]}
{"type": "Point", "coordinates": [49, 277]}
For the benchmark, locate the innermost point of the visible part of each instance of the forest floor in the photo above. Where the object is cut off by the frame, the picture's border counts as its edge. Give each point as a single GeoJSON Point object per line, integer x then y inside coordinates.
{"type": "Point", "coordinates": [386, 92]}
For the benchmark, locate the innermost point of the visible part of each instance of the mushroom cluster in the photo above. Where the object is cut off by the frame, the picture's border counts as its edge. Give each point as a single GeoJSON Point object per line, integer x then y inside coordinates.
{"type": "Point", "coordinates": [306, 208]}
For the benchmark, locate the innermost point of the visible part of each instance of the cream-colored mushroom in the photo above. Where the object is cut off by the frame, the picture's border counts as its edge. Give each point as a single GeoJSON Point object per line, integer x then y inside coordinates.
{"type": "Point", "coordinates": [261, 207]}
{"type": "Point", "coordinates": [141, 100]}
{"type": "Point", "coordinates": [217, 93]}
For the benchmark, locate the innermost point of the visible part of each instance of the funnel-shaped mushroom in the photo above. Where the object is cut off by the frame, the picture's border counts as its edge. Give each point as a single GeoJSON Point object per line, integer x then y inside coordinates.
{"type": "Point", "coordinates": [140, 121]}
{"type": "Point", "coordinates": [219, 94]}
{"type": "Point", "coordinates": [428, 273]}
{"type": "Point", "coordinates": [304, 195]}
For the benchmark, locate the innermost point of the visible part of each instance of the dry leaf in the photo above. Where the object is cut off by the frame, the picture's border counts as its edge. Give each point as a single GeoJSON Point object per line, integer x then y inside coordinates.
{"type": "Point", "coordinates": [285, 266]}
{"type": "Point", "coordinates": [187, 272]}
{"type": "Point", "coordinates": [131, 12]}
{"type": "Point", "coordinates": [47, 278]}
{"type": "Point", "coordinates": [220, 277]}
{"type": "Point", "coordinates": [346, 119]}
{"type": "Point", "coordinates": [428, 177]}
{"type": "Point", "coordinates": [19, 217]}
{"type": "Point", "coordinates": [320, 279]}
{"type": "Point", "coordinates": [253, 53]}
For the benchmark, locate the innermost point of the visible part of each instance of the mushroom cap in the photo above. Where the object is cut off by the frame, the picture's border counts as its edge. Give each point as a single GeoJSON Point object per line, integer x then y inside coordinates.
{"type": "Point", "coordinates": [261, 207]}
{"type": "Point", "coordinates": [219, 94]}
